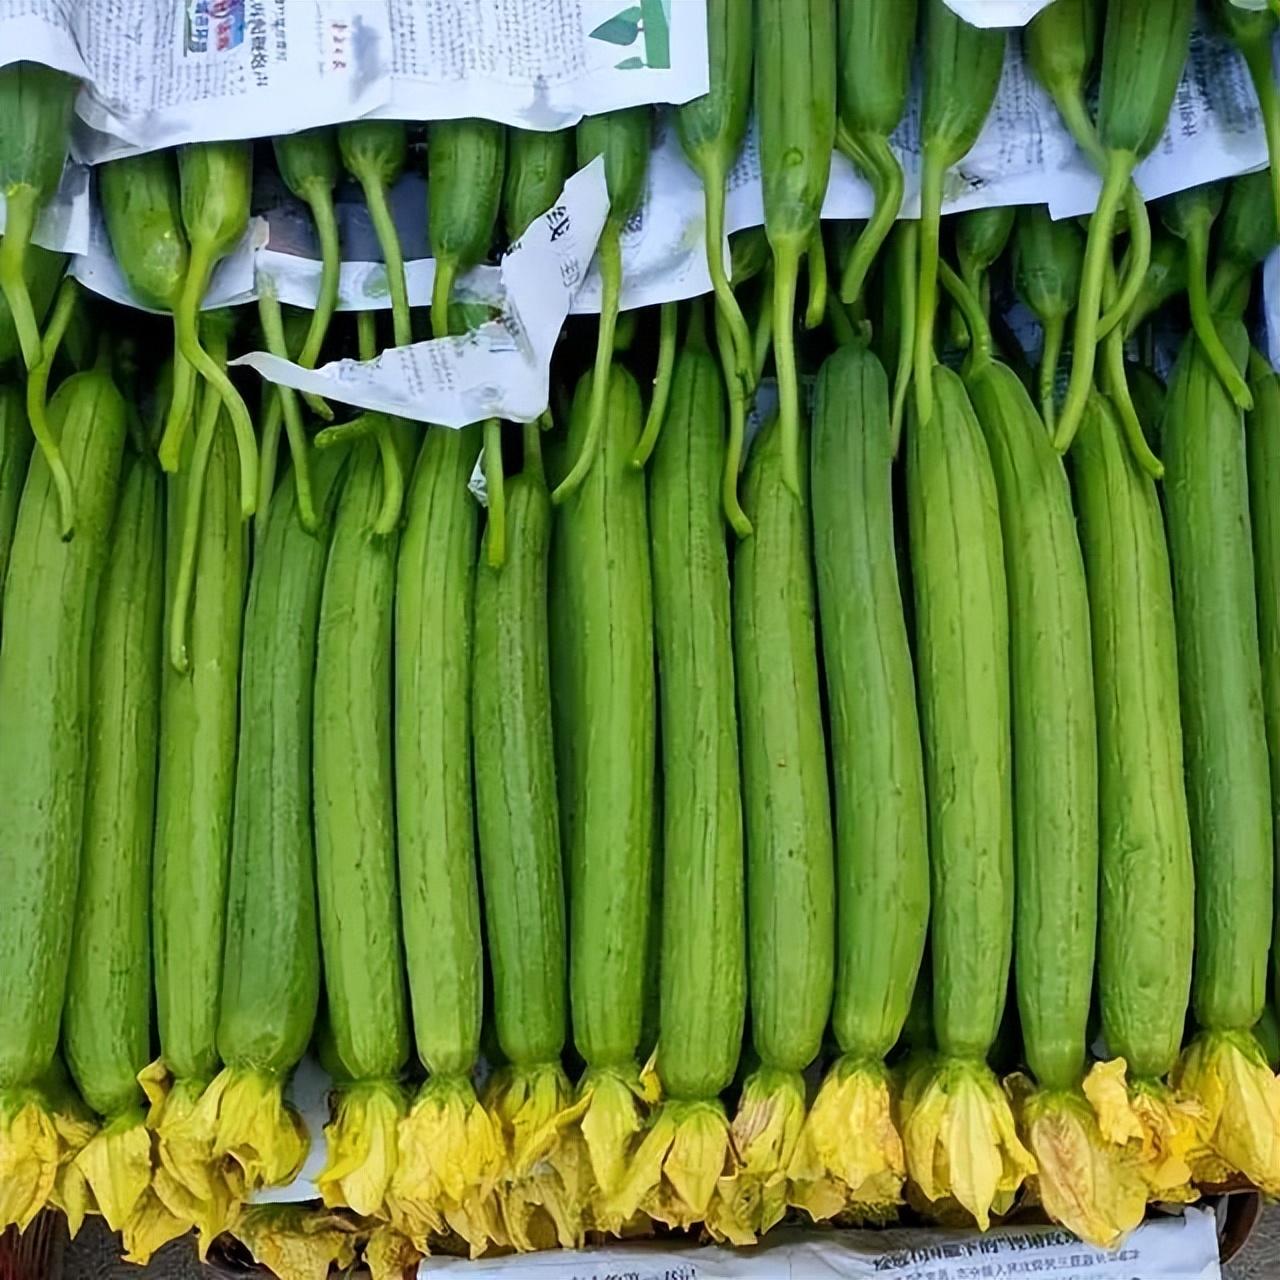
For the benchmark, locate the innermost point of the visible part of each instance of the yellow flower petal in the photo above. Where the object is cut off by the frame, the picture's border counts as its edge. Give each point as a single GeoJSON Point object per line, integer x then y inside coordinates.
{"type": "Point", "coordinates": [29, 1150]}
{"type": "Point", "coordinates": [1145, 1115]}
{"type": "Point", "coordinates": [116, 1163]}
{"type": "Point", "coordinates": [614, 1110]}
{"type": "Point", "coordinates": [1227, 1073]}
{"type": "Point", "coordinates": [246, 1112]}
{"type": "Point", "coordinates": [766, 1134]}
{"type": "Point", "coordinates": [76, 1126]}
{"type": "Point", "coordinates": [1090, 1185]}
{"type": "Point", "coordinates": [361, 1142]}
{"type": "Point", "coordinates": [297, 1243]}
{"type": "Point", "coordinates": [388, 1255]}
{"type": "Point", "coordinates": [449, 1157]}
{"type": "Point", "coordinates": [149, 1226]}
{"type": "Point", "coordinates": [676, 1168]}
{"type": "Point", "coordinates": [540, 1196]}
{"type": "Point", "coordinates": [850, 1153]}
{"type": "Point", "coordinates": [960, 1138]}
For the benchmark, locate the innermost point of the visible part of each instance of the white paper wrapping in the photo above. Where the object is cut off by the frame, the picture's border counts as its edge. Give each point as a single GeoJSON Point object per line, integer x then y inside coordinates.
{"type": "Point", "coordinates": [1175, 1248]}
{"type": "Point", "coordinates": [502, 368]}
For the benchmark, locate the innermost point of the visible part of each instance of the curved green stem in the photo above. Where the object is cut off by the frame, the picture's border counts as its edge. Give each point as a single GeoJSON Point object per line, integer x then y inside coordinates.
{"type": "Point", "coordinates": [713, 181]}
{"type": "Point", "coordinates": [320, 199]}
{"type": "Point", "coordinates": [932, 172]}
{"type": "Point", "coordinates": [273, 331]}
{"type": "Point", "coordinates": [817, 262]}
{"type": "Point", "coordinates": [384, 429]}
{"type": "Point", "coordinates": [1116, 380]}
{"type": "Point", "coordinates": [181, 402]}
{"type": "Point", "coordinates": [981, 346]}
{"type": "Point", "coordinates": [268, 456]}
{"type": "Point", "coordinates": [1075, 115]}
{"type": "Point", "coordinates": [532, 465]}
{"type": "Point", "coordinates": [762, 338]}
{"type": "Point", "coordinates": [907, 255]}
{"type": "Point", "coordinates": [37, 403]}
{"type": "Point", "coordinates": [496, 492]}
{"type": "Point", "coordinates": [875, 158]}
{"type": "Point", "coordinates": [192, 511]}
{"type": "Point", "coordinates": [186, 319]}
{"type": "Point", "coordinates": [1136, 263]}
{"type": "Point", "coordinates": [786, 270]}
{"type": "Point", "coordinates": [21, 209]}
{"type": "Point", "coordinates": [1202, 318]}
{"type": "Point", "coordinates": [392, 481]}
{"type": "Point", "coordinates": [610, 252]}
{"type": "Point", "coordinates": [842, 327]}
{"type": "Point", "coordinates": [661, 385]}
{"type": "Point", "coordinates": [733, 511]}
{"type": "Point", "coordinates": [1097, 257]}
{"type": "Point", "coordinates": [441, 292]}
{"type": "Point", "coordinates": [1055, 328]}
{"type": "Point", "coordinates": [384, 227]}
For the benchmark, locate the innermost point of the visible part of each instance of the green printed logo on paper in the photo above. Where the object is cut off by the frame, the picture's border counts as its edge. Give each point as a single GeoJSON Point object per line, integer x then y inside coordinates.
{"type": "Point", "coordinates": [649, 23]}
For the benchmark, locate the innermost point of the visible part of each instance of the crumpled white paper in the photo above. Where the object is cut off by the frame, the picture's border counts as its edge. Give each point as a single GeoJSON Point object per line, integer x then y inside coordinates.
{"type": "Point", "coordinates": [997, 13]}
{"type": "Point", "coordinates": [1183, 1247]}
{"type": "Point", "coordinates": [161, 72]}
{"type": "Point", "coordinates": [502, 368]}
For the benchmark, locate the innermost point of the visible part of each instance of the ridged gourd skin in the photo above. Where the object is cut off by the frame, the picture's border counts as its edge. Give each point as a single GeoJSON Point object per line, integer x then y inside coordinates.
{"type": "Point", "coordinates": [1144, 51]}
{"type": "Point", "coordinates": [142, 209]}
{"type": "Point", "coordinates": [15, 454]}
{"type": "Point", "coordinates": [1061, 45]}
{"type": "Point", "coordinates": [1055, 744]}
{"type": "Point", "coordinates": [962, 670]}
{"type": "Point", "coordinates": [961, 66]}
{"type": "Point", "coordinates": [602, 667]}
{"type": "Point", "coordinates": [720, 115]}
{"type": "Point", "coordinates": [1216, 608]}
{"type": "Point", "coordinates": [703, 950]}
{"type": "Point", "coordinates": [517, 812]}
{"type": "Point", "coordinates": [37, 101]}
{"type": "Point", "coordinates": [981, 237]}
{"type": "Point", "coordinates": [1146, 923]}
{"type": "Point", "coordinates": [439, 897]}
{"type": "Point", "coordinates": [795, 105]}
{"type": "Point", "coordinates": [882, 858]}
{"type": "Point", "coordinates": [48, 634]}
{"type": "Point", "coordinates": [195, 792]}
{"type": "Point", "coordinates": [787, 801]}
{"type": "Point", "coordinates": [271, 966]}
{"type": "Point", "coordinates": [1262, 437]}
{"type": "Point", "coordinates": [106, 1029]}
{"type": "Point", "coordinates": [537, 166]}
{"type": "Point", "coordinates": [795, 116]}
{"type": "Point", "coordinates": [876, 40]}
{"type": "Point", "coordinates": [465, 159]}
{"type": "Point", "coordinates": [876, 44]}
{"type": "Point", "coordinates": [355, 824]}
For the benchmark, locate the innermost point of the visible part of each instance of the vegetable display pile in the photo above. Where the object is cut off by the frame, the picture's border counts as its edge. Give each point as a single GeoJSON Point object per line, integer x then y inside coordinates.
{"type": "Point", "coordinates": [826, 768]}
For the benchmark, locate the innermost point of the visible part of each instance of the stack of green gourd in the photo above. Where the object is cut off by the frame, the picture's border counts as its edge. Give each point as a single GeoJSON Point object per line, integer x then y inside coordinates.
{"type": "Point", "coordinates": [670, 842]}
